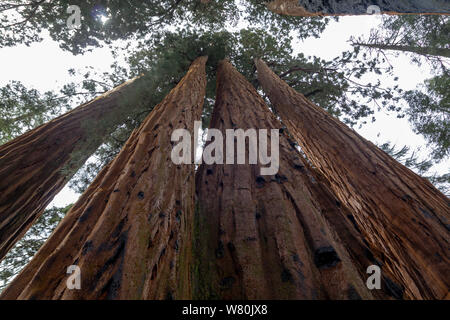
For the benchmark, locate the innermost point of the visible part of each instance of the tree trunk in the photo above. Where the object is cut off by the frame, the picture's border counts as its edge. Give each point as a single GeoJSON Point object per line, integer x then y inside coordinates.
{"type": "Point", "coordinates": [130, 232]}
{"type": "Point", "coordinates": [403, 217]}
{"type": "Point", "coordinates": [425, 51]}
{"type": "Point", "coordinates": [267, 237]}
{"type": "Point", "coordinates": [35, 166]}
{"type": "Point", "coordinates": [303, 8]}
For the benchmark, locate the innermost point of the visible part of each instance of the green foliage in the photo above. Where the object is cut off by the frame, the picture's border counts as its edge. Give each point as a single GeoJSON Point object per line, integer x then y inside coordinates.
{"type": "Point", "coordinates": [338, 85]}
{"type": "Point", "coordinates": [22, 109]}
{"type": "Point", "coordinates": [25, 21]}
{"type": "Point", "coordinates": [26, 248]}
{"type": "Point", "coordinates": [429, 114]}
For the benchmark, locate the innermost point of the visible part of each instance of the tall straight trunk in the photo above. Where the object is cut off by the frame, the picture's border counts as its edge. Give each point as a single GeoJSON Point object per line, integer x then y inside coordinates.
{"type": "Point", "coordinates": [36, 166]}
{"type": "Point", "coordinates": [130, 232]}
{"type": "Point", "coordinates": [403, 217]}
{"type": "Point", "coordinates": [266, 237]}
{"type": "Point", "coordinates": [443, 52]}
{"type": "Point", "coordinates": [304, 8]}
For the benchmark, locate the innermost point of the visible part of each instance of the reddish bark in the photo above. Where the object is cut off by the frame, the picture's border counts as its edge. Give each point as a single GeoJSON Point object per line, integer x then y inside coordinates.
{"type": "Point", "coordinates": [130, 232]}
{"type": "Point", "coordinates": [403, 217]}
{"type": "Point", "coordinates": [268, 237]}
{"type": "Point", "coordinates": [35, 166]}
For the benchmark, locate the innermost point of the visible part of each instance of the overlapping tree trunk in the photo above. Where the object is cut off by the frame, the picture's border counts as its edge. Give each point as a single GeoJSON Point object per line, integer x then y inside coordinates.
{"type": "Point", "coordinates": [35, 166]}
{"type": "Point", "coordinates": [304, 8]}
{"type": "Point", "coordinates": [130, 232]}
{"type": "Point", "coordinates": [267, 237]}
{"type": "Point", "coordinates": [402, 216]}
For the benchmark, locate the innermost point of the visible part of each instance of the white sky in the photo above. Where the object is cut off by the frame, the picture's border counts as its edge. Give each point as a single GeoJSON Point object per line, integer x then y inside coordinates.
{"type": "Point", "coordinates": [44, 66]}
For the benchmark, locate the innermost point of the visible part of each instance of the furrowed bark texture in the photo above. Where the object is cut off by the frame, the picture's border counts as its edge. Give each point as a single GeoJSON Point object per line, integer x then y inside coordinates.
{"type": "Point", "coordinates": [35, 166]}
{"type": "Point", "coordinates": [266, 237]}
{"type": "Point", "coordinates": [304, 8]}
{"type": "Point", "coordinates": [402, 216]}
{"type": "Point", "coordinates": [130, 232]}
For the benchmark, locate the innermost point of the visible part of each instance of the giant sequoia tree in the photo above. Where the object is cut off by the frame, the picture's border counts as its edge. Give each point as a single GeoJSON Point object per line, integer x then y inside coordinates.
{"type": "Point", "coordinates": [130, 232]}
{"type": "Point", "coordinates": [402, 216]}
{"type": "Point", "coordinates": [282, 236]}
{"type": "Point", "coordinates": [35, 166]}
{"type": "Point", "coordinates": [334, 84]}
